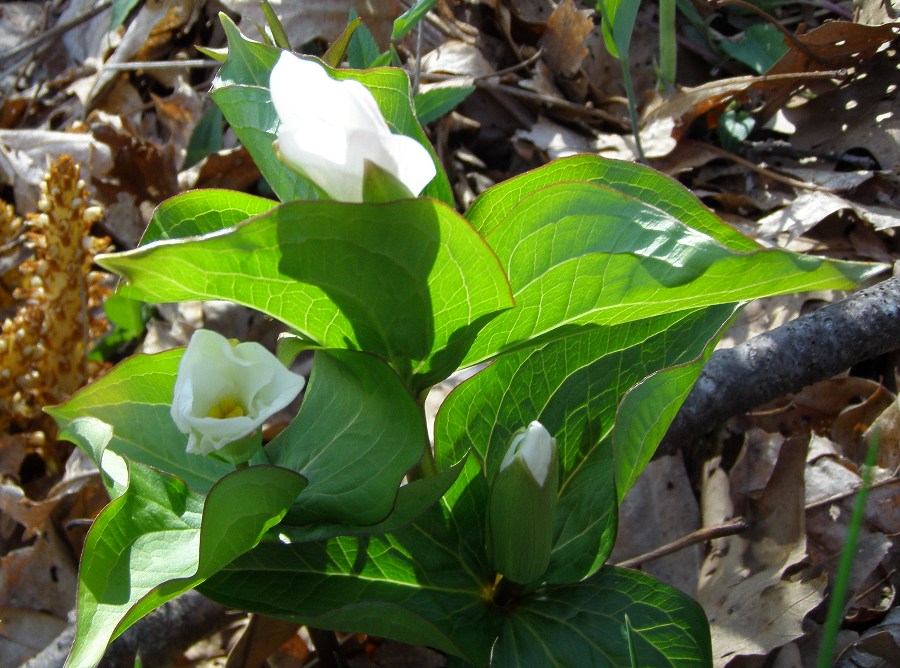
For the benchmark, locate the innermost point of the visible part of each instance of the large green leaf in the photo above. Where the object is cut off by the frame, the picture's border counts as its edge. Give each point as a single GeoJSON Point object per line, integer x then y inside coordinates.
{"type": "Point", "coordinates": [425, 584]}
{"type": "Point", "coordinates": [160, 539]}
{"type": "Point", "coordinates": [574, 386]}
{"type": "Point", "coordinates": [583, 625]}
{"type": "Point", "coordinates": [409, 280]}
{"type": "Point", "coordinates": [200, 211]}
{"type": "Point", "coordinates": [637, 181]}
{"type": "Point", "coordinates": [357, 434]}
{"type": "Point", "coordinates": [241, 90]}
{"type": "Point", "coordinates": [134, 399]}
{"type": "Point", "coordinates": [585, 254]}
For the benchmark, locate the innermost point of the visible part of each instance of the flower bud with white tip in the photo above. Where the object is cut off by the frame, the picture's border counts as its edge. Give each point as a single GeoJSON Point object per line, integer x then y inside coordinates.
{"type": "Point", "coordinates": [522, 506]}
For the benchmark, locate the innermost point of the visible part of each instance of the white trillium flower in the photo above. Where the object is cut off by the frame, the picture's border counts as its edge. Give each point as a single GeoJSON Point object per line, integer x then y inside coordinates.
{"type": "Point", "coordinates": [330, 129]}
{"type": "Point", "coordinates": [224, 392]}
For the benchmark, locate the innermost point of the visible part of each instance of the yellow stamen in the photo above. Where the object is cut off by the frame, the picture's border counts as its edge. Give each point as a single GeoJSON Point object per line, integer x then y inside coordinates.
{"type": "Point", "coordinates": [227, 408]}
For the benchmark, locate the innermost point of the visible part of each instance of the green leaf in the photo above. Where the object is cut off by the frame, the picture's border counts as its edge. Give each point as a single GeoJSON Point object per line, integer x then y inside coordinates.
{"type": "Point", "coordinates": [408, 19]}
{"type": "Point", "coordinates": [197, 212]}
{"type": "Point", "coordinates": [424, 584]}
{"type": "Point", "coordinates": [241, 90]}
{"type": "Point", "coordinates": [637, 181]}
{"type": "Point", "coordinates": [363, 52]}
{"type": "Point", "coordinates": [618, 25]}
{"type": "Point", "coordinates": [435, 102]}
{"type": "Point", "coordinates": [734, 126]}
{"type": "Point", "coordinates": [93, 437]}
{"type": "Point", "coordinates": [279, 36]}
{"type": "Point", "coordinates": [759, 47]}
{"type": "Point", "coordinates": [134, 399]}
{"type": "Point", "coordinates": [129, 318]}
{"type": "Point", "coordinates": [206, 138]}
{"type": "Point", "coordinates": [574, 387]}
{"type": "Point", "coordinates": [413, 500]}
{"type": "Point", "coordinates": [338, 49]}
{"type": "Point", "coordinates": [409, 281]}
{"type": "Point", "coordinates": [357, 434]}
{"type": "Point", "coordinates": [160, 539]}
{"type": "Point", "coordinates": [120, 11]}
{"type": "Point", "coordinates": [582, 625]}
{"type": "Point", "coordinates": [648, 408]}
{"type": "Point", "coordinates": [583, 254]}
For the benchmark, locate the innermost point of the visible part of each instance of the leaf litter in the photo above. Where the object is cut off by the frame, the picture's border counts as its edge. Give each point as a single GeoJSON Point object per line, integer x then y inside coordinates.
{"type": "Point", "coordinates": [817, 170]}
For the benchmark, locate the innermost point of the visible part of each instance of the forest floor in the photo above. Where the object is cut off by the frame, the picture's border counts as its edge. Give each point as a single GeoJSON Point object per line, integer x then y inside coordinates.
{"type": "Point", "coordinates": [783, 117]}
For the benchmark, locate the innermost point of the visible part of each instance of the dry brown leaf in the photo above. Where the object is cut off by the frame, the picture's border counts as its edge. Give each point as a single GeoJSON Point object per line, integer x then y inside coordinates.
{"type": "Point", "coordinates": [178, 113]}
{"type": "Point", "coordinates": [141, 166]}
{"type": "Point", "coordinates": [863, 114]}
{"type": "Point", "coordinates": [25, 632]}
{"type": "Point", "coordinates": [24, 155]}
{"type": "Point", "coordinates": [879, 647]}
{"type": "Point", "coordinates": [318, 19]}
{"type": "Point", "coordinates": [754, 600]}
{"type": "Point", "coordinates": [231, 169]}
{"type": "Point", "coordinates": [261, 638]}
{"type": "Point", "coordinates": [42, 576]}
{"type": "Point", "coordinates": [563, 41]}
{"type": "Point", "coordinates": [834, 45]}
{"type": "Point", "coordinates": [457, 57]}
{"type": "Point", "coordinates": [660, 508]}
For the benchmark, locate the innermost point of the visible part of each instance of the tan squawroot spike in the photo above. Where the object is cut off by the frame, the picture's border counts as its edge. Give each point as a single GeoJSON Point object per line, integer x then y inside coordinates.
{"type": "Point", "coordinates": [43, 346]}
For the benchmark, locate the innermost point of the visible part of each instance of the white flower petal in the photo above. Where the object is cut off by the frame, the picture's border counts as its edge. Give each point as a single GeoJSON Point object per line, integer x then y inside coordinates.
{"type": "Point", "coordinates": [213, 371]}
{"type": "Point", "coordinates": [329, 130]}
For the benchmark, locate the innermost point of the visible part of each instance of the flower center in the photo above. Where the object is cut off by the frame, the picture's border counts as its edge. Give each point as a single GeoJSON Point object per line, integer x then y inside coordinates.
{"type": "Point", "coordinates": [227, 408]}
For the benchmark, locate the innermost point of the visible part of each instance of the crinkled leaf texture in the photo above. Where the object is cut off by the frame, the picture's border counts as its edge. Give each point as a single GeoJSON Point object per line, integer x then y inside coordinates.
{"type": "Point", "coordinates": [241, 90]}
{"type": "Point", "coordinates": [159, 538]}
{"type": "Point", "coordinates": [410, 281]}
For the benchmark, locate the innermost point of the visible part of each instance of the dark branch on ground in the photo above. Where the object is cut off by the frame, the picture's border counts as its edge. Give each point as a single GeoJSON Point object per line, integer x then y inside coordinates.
{"type": "Point", "coordinates": [811, 348]}
{"type": "Point", "coordinates": [161, 637]}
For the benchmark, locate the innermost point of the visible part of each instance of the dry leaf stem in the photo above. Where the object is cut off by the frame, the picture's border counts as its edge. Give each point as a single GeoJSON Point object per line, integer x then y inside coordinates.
{"type": "Point", "coordinates": [735, 526]}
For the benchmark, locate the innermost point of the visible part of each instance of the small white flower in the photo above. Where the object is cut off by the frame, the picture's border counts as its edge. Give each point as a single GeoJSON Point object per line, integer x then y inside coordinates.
{"type": "Point", "coordinates": [224, 392]}
{"type": "Point", "coordinates": [330, 129]}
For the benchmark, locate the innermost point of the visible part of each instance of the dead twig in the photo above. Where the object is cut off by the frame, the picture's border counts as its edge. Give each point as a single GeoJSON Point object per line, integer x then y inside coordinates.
{"type": "Point", "coordinates": [765, 171]}
{"type": "Point", "coordinates": [55, 31]}
{"type": "Point", "coordinates": [846, 495]}
{"type": "Point", "coordinates": [532, 96]}
{"type": "Point", "coordinates": [735, 526]}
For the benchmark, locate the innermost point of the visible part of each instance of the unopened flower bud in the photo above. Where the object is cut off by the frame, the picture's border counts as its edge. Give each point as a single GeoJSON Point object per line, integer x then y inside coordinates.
{"type": "Point", "coordinates": [522, 506]}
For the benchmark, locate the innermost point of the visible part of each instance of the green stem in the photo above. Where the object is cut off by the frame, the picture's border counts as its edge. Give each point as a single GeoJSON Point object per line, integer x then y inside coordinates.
{"type": "Point", "coordinates": [842, 576]}
{"type": "Point", "coordinates": [668, 58]}
{"type": "Point", "coordinates": [426, 466]}
{"type": "Point", "coordinates": [632, 106]}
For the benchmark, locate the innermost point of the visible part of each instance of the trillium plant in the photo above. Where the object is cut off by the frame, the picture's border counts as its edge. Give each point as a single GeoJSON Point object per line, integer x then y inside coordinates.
{"type": "Point", "coordinates": [589, 293]}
